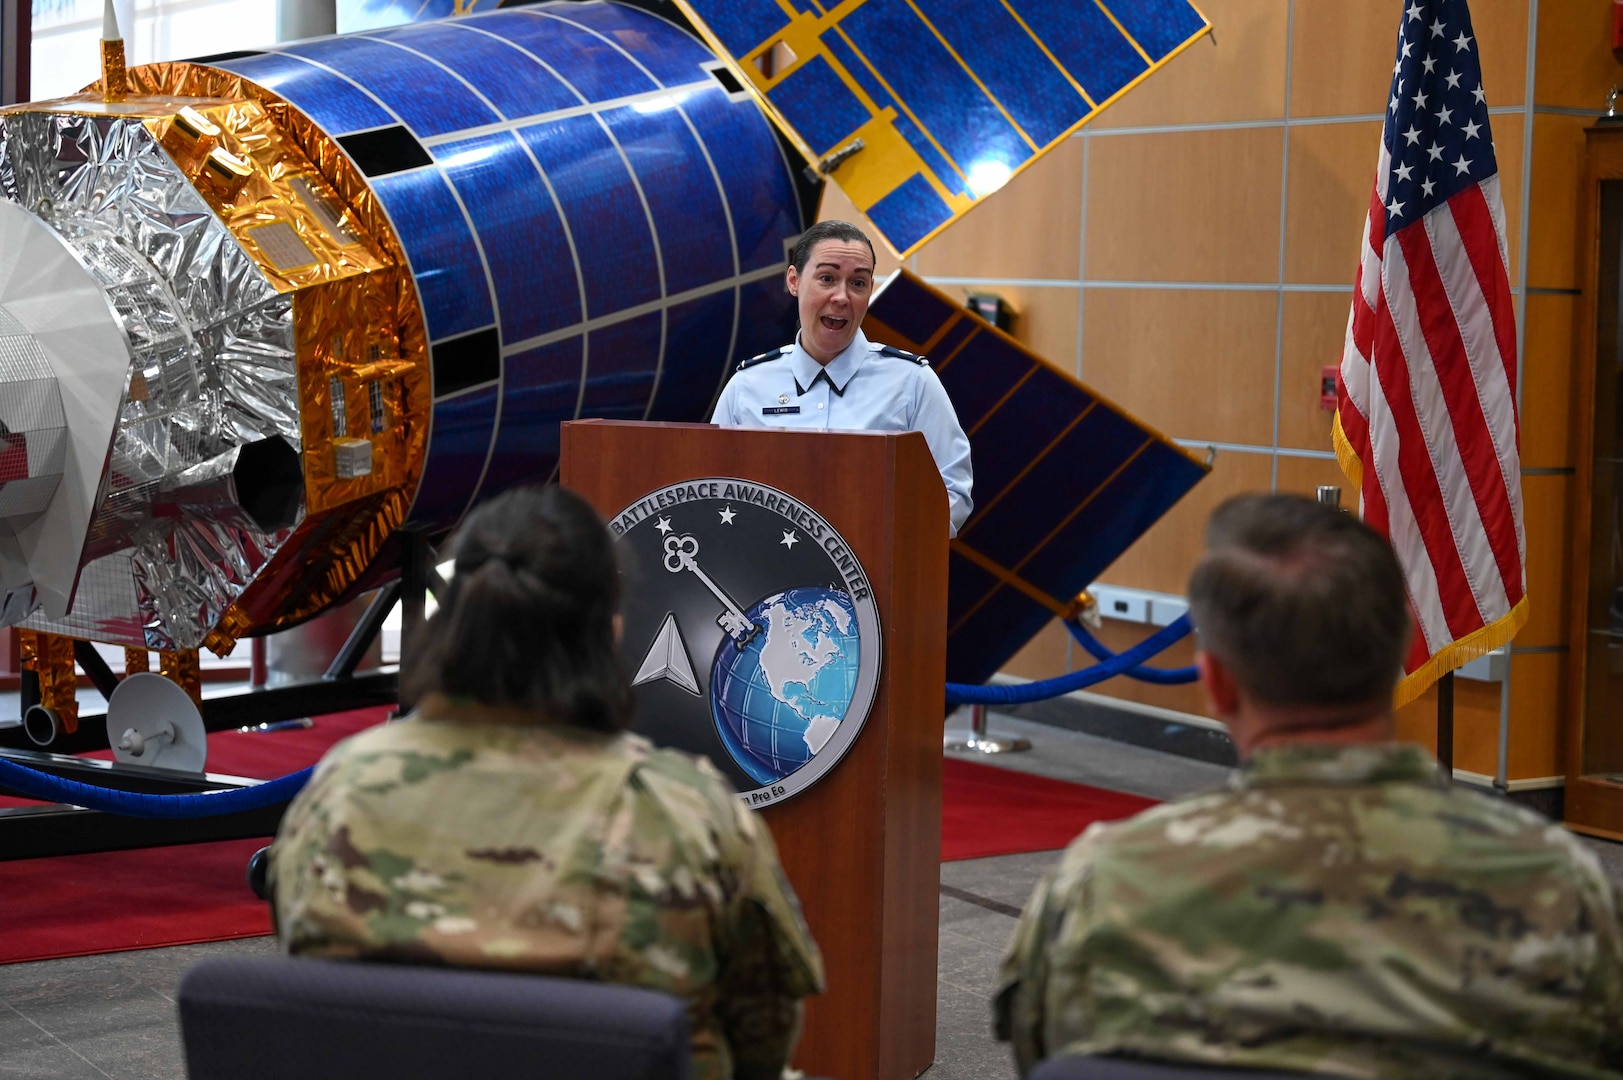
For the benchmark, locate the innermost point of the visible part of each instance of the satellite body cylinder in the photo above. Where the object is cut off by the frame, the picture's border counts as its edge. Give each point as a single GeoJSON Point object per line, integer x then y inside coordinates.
{"type": "Point", "coordinates": [429, 245]}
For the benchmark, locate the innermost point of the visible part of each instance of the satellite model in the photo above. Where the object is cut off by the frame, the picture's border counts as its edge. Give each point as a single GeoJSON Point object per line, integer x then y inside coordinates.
{"type": "Point", "coordinates": [260, 311]}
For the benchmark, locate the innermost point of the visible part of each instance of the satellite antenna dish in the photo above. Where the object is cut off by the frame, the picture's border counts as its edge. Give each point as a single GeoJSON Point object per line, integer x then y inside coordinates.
{"type": "Point", "coordinates": [152, 721]}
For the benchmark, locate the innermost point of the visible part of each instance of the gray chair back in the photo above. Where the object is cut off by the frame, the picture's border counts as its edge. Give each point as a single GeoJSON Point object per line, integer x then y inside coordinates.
{"type": "Point", "coordinates": [282, 1018]}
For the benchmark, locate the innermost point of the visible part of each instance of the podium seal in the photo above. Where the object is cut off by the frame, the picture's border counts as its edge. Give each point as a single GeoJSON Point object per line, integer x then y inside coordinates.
{"type": "Point", "coordinates": [751, 634]}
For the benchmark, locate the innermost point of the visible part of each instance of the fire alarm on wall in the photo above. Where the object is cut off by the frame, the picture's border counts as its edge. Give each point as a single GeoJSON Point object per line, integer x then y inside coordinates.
{"type": "Point", "coordinates": [1327, 387]}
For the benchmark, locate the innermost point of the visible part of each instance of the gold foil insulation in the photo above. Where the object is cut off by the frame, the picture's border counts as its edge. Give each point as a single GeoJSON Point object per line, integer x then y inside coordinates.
{"type": "Point", "coordinates": [307, 217]}
{"type": "Point", "coordinates": [181, 668]}
{"type": "Point", "coordinates": [114, 81]}
{"type": "Point", "coordinates": [136, 661]}
{"type": "Point", "coordinates": [50, 656]}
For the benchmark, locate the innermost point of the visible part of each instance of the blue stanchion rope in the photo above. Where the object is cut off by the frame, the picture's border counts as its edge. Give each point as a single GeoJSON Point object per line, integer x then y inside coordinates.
{"type": "Point", "coordinates": [39, 785]}
{"type": "Point", "coordinates": [1143, 673]}
{"type": "Point", "coordinates": [1024, 693]}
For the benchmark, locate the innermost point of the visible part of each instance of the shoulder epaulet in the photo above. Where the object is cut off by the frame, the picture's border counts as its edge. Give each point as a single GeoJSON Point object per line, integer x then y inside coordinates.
{"type": "Point", "coordinates": [771, 354]}
{"type": "Point", "coordinates": [903, 354]}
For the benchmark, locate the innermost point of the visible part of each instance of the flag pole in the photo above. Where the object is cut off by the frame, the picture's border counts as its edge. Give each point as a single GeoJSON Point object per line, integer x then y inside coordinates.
{"type": "Point", "coordinates": [1445, 723]}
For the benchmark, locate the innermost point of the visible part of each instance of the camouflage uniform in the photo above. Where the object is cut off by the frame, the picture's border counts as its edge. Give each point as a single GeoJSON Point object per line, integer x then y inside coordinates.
{"type": "Point", "coordinates": [471, 836]}
{"type": "Point", "coordinates": [1338, 910]}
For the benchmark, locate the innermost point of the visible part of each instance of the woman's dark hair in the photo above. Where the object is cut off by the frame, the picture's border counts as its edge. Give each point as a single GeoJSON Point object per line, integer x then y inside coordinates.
{"type": "Point", "coordinates": [528, 619]}
{"type": "Point", "coordinates": [827, 230]}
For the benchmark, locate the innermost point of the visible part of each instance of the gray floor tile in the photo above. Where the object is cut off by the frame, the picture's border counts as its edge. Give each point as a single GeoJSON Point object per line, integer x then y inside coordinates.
{"type": "Point", "coordinates": [49, 1063]}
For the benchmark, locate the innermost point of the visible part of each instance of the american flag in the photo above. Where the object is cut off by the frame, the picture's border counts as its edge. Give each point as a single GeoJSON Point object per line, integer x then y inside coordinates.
{"type": "Point", "coordinates": [1425, 422]}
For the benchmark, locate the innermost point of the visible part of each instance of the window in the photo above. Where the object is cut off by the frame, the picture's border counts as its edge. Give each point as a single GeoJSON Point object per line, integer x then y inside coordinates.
{"type": "Point", "coordinates": [66, 58]}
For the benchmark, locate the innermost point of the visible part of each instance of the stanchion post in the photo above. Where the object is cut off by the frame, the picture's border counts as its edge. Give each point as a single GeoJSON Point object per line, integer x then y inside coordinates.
{"type": "Point", "coordinates": [980, 741]}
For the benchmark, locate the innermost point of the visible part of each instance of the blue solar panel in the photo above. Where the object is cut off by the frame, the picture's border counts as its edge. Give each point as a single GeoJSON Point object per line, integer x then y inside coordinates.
{"type": "Point", "coordinates": [696, 339]}
{"type": "Point", "coordinates": [1064, 481]}
{"type": "Point", "coordinates": [512, 81]}
{"type": "Point", "coordinates": [1158, 27]}
{"type": "Point", "coordinates": [429, 99]}
{"type": "Point", "coordinates": [742, 26]}
{"type": "Point", "coordinates": [431, 227]}
{"type": "Point", "coordinates": [938, 91]}
{"type": "Point", "coordinates": [682, 194]}
{"type": "Point", "coordinates": [909, 214]}
{"type": "Point", "coordinates": [1136, 499]}
{"type": "Point", "coordinates": [819, 105]}
{"type": "Point", "coordinates": [975, 91]}
{"type": "Point", "coordinates": [520, 231]}
{"type": "Point", "coordinates": [540, 388]}
{"type": "Point", "coordinates": [456, 455]}
{"type": "Point", "coordinates": [1017, 73]}
{"type": "Point", "coordinates": [1084, 460]}
{"type": "Point", "coordinates": [620, 361]}
{"type": "Point", "coordinates": [597, 70]}
{"type": "Point", "coordinates": [678, 62]}
{"type": "Point", "coordinates": [1091, 47]}
{"type": "Point", "coordinates": [603, 208]}
{"type": "Point", "coordinates": [328, 99]}
{"type": "Point", "coordinates": [761, 201]}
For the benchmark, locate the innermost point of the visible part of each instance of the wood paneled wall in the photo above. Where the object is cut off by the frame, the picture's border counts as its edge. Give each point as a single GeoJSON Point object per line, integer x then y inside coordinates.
{"type": "Point", "coordinates": [1191, 254]}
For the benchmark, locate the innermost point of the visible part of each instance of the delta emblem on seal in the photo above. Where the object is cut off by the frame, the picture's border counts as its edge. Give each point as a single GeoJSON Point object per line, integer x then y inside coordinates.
{"type": "Point", "coordinates": [750, 632]}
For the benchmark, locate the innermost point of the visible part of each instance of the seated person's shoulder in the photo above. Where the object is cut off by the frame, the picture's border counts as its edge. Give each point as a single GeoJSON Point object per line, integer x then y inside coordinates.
{"type": "Point", "coordinates": [689, 788]}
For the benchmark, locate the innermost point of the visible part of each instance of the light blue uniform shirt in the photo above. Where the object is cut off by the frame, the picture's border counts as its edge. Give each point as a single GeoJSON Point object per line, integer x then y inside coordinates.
{"type": "Point", "coordinates": [861, 389]}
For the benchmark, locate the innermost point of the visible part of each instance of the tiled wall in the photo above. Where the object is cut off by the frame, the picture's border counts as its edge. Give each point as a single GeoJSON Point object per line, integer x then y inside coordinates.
{"type": "Point", "coordinates": [1191, 255]}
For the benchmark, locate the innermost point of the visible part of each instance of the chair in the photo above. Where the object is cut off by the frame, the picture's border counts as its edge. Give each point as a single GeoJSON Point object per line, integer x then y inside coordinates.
{"type": "Point", "coordinates": [288, 1018]}
{"type": "Point", "coordinates": [1085, 1067]}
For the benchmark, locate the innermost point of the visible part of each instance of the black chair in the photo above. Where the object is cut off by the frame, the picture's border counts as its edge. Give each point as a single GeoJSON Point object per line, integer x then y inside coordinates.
{"type": "Point", "coordinates": [1084, 1067]}
{"type": "Point", "coordinates": [283, 1018]}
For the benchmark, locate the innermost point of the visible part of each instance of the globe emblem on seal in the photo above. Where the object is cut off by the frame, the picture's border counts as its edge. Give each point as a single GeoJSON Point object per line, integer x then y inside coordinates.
{"type": "Point", "coordinates": [751, 634]}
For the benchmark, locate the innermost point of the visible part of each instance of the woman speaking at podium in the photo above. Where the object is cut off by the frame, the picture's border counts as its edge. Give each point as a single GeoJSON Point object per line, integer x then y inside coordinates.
{"type": "Point", "coordinates": [832, 378]}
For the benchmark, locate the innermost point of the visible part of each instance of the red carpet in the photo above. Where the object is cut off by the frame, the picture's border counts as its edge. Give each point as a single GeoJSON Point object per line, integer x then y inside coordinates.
{"type": "Point", "coordinates": [986, 810]}
{"type": "Point", "coordinates": [73, 905]}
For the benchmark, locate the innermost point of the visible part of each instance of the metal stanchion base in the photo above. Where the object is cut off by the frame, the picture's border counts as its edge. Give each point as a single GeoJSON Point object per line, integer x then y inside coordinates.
{"type": "Point", "coordinates": [979, 742]}
{"type": "Point", "coordinates": [984, 746]}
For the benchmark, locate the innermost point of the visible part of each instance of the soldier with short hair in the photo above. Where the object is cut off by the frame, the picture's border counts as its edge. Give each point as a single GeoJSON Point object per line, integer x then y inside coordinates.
{"type": "Point", "coordinates": [1339, 908]}
{"type": "Point", "coordinates": [512, 823]}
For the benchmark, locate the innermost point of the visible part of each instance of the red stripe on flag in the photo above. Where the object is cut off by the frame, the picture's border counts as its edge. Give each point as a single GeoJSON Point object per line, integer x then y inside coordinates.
{"type": "Point", "coordinates": [1474, 219]}
{"type": "Point", "coordinates": [1419, 479]}
{"type": "Point", "coordinates": [1465, 411]}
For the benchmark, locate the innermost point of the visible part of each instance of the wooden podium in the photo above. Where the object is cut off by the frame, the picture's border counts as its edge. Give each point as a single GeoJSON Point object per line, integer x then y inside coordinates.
{"type": "Point", "coordinates": [863, 846]}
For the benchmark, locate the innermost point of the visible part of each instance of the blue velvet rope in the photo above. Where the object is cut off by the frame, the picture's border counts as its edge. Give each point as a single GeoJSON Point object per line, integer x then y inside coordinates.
{"type": "Point", "coordinates": [1159, 676]}
{"type": "Point", "coordinates": [1024, 693]}
{"type": "Point", "coordinates": [38, 785]}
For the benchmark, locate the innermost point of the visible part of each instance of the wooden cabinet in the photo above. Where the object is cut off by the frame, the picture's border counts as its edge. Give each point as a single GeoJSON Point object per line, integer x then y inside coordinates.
{"type": "Point", "coordinates": [1594, 801]}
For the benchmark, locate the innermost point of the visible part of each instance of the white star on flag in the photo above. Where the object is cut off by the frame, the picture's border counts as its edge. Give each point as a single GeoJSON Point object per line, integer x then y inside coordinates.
{"type": "Point", "coordinates": [1462, 42]}
{"type": "Point", "coordinates": [1402, 172]}
{"type": "Point", "coordinates": [1463, 165]}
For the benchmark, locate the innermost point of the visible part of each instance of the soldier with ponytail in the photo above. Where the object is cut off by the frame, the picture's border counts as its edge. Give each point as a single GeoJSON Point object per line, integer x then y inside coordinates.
{"type": "Point", "coordinates": [511, 822]}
